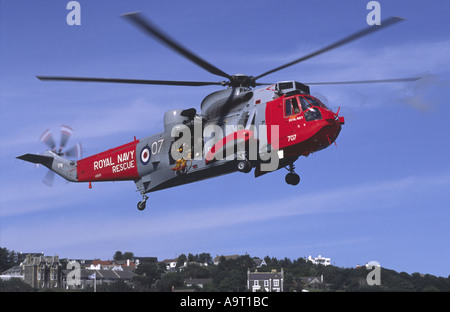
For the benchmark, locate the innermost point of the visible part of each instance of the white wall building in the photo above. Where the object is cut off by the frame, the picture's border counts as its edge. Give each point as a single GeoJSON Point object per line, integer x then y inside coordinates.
{"type": "Point", "coordinates": [319, 260]}
{"type": "Point", "coordinates": [265, 281]}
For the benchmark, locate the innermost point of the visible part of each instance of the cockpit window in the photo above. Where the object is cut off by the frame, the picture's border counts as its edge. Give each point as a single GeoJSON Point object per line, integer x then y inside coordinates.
{"type": "Point", "coordinates": [305, 104]}
{"type": "Point", "coordinates": [288, 107]}
{"type": "Point", "coordinates": [291, 106]}
{"type": "Point", "coordinates": [310, 107]}
{"type": "Point", "coordinates": [315, 102]}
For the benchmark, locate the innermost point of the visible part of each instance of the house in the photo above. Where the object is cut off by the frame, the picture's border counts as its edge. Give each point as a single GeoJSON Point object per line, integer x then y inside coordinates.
{"type": "Point", "coordinates": [117, 265]}
{"type": "Point", "coordinates": [319, 260]}
{"type": "Point", "coordinates": [265, 281]}
{"type": "Point", "coordinates": [259, 262]}
{"type": "Point", "coordinates": [98, 264]}
{"type": "Point", "coordinates": [87, 278]}
{"type": "Point", "coordinates": [138, 260]}
{"type": "Point", "coordinates": [171, 264]}
{"type": "Point", "coordinates": [21, 256]}
{"type": "Point", "coordinates": [312, 281]}
{"type": "Point", "coordinates": [41, 271]}
{"type": "Point", "coordinates": [14, 272]}
{"type": "Point", "coordinates": [84, 263]}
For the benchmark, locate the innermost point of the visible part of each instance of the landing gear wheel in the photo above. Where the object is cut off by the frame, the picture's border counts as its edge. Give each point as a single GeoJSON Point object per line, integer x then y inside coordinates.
{"type": "Point", "coordinates": [244, 166]}
{"type": "Point", "coordinates": [143, 203]}
{"type": "Point", "coordinates": [292, 178]}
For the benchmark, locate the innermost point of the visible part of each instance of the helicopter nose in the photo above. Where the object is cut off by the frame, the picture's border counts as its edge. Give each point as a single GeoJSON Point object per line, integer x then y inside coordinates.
{"type": "Point", "coordinates": [339, 120]}
{"type": "Point", "coordinates": [334, 126]}
{"type": "Point", "coordinates": [334, 119]}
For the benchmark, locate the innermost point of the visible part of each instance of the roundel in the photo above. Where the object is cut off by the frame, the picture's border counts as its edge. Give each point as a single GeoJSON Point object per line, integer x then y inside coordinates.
{"type": "Point", "coordinates": [145, 155]}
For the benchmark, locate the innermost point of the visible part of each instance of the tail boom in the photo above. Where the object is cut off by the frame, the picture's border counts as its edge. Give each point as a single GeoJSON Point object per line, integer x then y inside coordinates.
{"type": "Point", "coordinates": [117, 164]}
{"type": "Point", "coordinates": [64, 167]}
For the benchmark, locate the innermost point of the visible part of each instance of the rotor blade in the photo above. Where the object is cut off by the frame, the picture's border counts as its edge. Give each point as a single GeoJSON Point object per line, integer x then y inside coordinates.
{"type": "Point", "coordinates": [49, 178]}
{"type": "Point", "coordinates": [133, 81]}
{"type": "Point", "coordinates": [264, 84]}
{"type": "Point", "coordinates": [66, 132]}
{"type": "Point", "coordinates": [47, 138]}
{"type": "Point", "coordinates": [74, 152]}
{"type": "Point", "coordinates": [363, 81]}
{"type": "Point", "coordinates": [138, 19]}
{"type": "Point", "coordinates": [364, 32]}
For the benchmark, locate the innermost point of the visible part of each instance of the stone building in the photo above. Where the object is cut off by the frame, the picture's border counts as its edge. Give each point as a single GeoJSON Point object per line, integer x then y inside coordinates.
{"type": "Point", "coordinates": [42, 272]}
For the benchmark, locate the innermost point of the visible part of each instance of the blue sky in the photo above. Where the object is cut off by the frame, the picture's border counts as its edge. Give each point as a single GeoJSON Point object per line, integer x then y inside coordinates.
{"type": "Point", "coordinates": [381, 195]}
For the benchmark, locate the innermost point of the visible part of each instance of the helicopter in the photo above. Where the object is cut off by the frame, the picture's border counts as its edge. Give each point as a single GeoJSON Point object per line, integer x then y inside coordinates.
{"type": "Point", "coordinates": [250, 124]}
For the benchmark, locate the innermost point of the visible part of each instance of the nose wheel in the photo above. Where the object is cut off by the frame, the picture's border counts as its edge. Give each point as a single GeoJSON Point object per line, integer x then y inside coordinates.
{"type": "Point", "coordinates": [141, 205]}
{"type": "Point", "coordinates": [292, 178]}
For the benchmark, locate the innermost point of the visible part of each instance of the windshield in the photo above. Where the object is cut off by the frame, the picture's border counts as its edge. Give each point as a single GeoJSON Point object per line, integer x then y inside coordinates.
{"type": "Point", "coordinates": [316, 102]}
{"type": "Point", "coordinates": [305, 104]}
{"type": "Point", "coordinates": [311, 113]}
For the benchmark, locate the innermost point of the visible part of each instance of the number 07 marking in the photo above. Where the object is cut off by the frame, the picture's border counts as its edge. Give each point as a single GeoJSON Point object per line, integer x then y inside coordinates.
{"type": "Point", "coordinates": [156, 146]}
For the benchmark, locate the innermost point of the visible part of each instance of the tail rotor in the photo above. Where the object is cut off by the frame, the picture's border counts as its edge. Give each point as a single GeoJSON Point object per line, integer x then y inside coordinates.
{"type": "Point", "coordinates": [47, 139]}
{"type": "Point", "coordinates": [66, 133]}
{"type": "Point", "coordinates": [75, 152]}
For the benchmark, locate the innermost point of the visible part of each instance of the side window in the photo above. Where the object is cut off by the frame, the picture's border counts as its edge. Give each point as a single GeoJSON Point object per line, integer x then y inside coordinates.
{"type": "Point", "coordinates": [295, 105]}
{"type": "Point", "coordinates": [291, 106]}
{"type": "Point", "coordinates": [287, 107]}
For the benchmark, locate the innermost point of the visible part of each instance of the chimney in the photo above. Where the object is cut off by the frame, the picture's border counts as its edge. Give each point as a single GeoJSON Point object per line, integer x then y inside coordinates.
{"type": "Point", "coordinates": [128, 262]}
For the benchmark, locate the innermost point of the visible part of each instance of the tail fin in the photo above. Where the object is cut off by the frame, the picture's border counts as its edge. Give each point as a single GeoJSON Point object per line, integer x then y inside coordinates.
{"type": "Point", "coordinates": [63, 167]}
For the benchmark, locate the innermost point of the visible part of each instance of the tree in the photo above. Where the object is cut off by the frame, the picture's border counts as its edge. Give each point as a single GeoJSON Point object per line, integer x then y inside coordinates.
{"type": "Point", "coordinates": [231, 274]}
{"type": "Point", "coordinates": [7, 259]}
{"type": "Point", "coordinates": [170, 280]}
{"type": "Point", "coordinates": [181, 260]}
{"type": "Point", "coordinates": [194, 270]}
{"type": "Point", "coordinates": [148, 273]}
{"type": "Point", "coordinates": [289, 283]}
{"type": "Point", "coordinates": [205, 258]}
{"type": "Point", "coordinates": [118, 256]}
{"type": "Point", "coordinates": [15, 285]}
{"type": "Point", "coordinates": [128, 255]}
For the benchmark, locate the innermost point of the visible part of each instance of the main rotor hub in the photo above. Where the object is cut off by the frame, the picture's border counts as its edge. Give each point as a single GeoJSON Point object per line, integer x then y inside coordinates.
{"type": "Point", "coordinates": [241, 80]}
